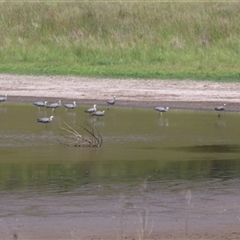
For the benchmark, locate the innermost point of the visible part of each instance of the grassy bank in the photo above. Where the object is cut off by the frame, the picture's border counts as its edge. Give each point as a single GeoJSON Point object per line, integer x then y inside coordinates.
{"type": "Point", "coordinates": [121, 39]}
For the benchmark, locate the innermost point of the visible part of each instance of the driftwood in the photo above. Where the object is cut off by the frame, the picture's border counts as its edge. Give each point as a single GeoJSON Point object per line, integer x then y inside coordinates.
{"type": "Point", "coordinates": [92, 138]}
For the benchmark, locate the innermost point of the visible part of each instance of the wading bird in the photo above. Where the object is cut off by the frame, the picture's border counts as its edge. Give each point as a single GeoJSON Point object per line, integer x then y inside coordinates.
{"type": "Point", "coordinates": [92, 110]}
{"type": "Point", "coordinates": [40, 104]}
{"type": "Point", "coordinates": [161, 109]}
{"type": "Point", "coordinates": [4, 98]}
{"type": "Point", "coordinates": [45, 120]}
{"type": "Point", "coordinates": [55, 105]}
{"type": "Point", "coordinates": [111, 101]}
{"type": "Point", "coordinates": [70, 105]}
{"type": "Point", "coordinates": [98, 113]}
{"type": "Point", "coordinates": [220, 108]}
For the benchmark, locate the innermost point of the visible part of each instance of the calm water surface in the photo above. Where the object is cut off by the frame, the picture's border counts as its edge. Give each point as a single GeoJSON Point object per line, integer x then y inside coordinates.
{"type": "Point", "coordinates": [184, 165]}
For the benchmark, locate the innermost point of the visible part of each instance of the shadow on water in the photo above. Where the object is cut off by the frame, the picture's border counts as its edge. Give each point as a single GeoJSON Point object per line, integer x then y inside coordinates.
{"type": "Point", "coordinates": [221, 148]}
{"type": "Point", "coordinates": [61, 177]}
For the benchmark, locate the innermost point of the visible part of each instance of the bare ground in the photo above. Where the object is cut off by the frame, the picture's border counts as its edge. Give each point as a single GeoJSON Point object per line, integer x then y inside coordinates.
{"type": "Point", "coordinates": [129, 92]}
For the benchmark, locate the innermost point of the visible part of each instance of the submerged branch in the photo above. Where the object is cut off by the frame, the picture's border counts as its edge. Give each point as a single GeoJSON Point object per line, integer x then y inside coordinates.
{"type": "Point", "coordinates": [75, 139]}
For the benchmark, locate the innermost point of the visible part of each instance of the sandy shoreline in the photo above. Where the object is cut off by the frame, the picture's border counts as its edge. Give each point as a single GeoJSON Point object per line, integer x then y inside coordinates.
{"type": "Point", "coordinates": [183, 94]}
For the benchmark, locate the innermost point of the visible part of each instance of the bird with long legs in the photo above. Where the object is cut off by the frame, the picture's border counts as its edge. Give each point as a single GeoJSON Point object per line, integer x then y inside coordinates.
{"type": "Point", "coordinates": [40, 104]}
{"type": "Point", "coordinates": [54, 105]}
{"type": "Point", "coordinates": [161, 110]}
{"type": "Point", "coordinates": [220, 108]}
{"type": "Point", "coordinates": [98, 113]}
{"type": "Point", "coordinates": [45, 120]}
{"type": "Point", "coordinates": [3, 98]}
{"type": "Point", "coordinates": [111, 101]}
{"type": "Point", "coordinates": [91, 110]}
{"type": "Point", "coordinates": [70, 105]}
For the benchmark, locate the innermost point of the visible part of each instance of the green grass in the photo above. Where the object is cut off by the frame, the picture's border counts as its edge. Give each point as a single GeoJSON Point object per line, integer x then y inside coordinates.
{"type": "Point", "coordinates": [122, 39]}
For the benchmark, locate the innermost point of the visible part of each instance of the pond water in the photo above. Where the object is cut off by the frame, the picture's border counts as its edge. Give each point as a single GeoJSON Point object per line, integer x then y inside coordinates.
{"type": "Point", "coordinates": [180, 170]}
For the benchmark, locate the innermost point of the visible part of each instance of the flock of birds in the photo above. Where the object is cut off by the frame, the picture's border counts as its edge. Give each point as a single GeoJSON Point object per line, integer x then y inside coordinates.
{"type": "Point", "coordinates": [41, 104]}
{"type": "Point", "coordinates": [93, 110]}
{"type": "Point", "coordinates": [165, 109]}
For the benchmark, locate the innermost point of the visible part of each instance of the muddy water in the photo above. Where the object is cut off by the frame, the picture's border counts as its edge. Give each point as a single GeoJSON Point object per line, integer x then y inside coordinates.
{"type": "Point", "coordinates": [180, 170]}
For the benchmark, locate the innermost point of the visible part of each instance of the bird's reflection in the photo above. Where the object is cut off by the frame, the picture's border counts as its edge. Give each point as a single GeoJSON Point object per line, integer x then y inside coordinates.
{"type": "Point", "coordinates": [41, 113]}
{"type": "Point", "coordinates": [96, 122]}
{"type": "Point", "coordinates": [220, 123]}
{"type": "Point", "coordinates": [71, 114]}
{"type": "Point", "coordinates": [163, 122]}
{"type": "Point", "coordinates": [3, 109]}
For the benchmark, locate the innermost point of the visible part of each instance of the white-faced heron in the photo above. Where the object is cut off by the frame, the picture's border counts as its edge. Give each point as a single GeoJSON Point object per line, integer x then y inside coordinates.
{"type": "Point", "coordinates": [161, 109]}
{"type": "Point", "coordinates": [40, 104]}
{"type": "Point", "coordinates": [111, 101]}
{"type": "Point", "coordinates": [98, 113]}
{"type": "Point", "coordinates": [92, 110]}
{"type": "Point", "coordinates": [55, 105]}
{"type": "Point", "coordinates": [45, 120]}
{"type": "Point", "coordinates": [220, 108]}
{"type": "Point", "coordinates": [4, 98]}
{"type": "Point", "coordinates": [70, 105]}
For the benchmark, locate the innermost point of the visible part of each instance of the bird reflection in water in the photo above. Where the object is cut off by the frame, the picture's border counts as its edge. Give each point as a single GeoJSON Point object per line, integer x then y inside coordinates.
{"type": "Point", "coordinates": [96, 122]}
{"type": "Point", "coordinates": [163, 122]}
{"type": "Point", "coordinates": [220, 123]}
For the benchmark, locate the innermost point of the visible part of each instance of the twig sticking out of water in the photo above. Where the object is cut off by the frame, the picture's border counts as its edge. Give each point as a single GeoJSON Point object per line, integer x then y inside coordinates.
{"type": "Point", "coordinates": [75, 139]}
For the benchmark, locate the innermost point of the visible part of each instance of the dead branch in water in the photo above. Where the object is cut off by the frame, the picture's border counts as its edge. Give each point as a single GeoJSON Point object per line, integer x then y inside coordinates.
{"type": "Point", "coordinates": [75, 139]}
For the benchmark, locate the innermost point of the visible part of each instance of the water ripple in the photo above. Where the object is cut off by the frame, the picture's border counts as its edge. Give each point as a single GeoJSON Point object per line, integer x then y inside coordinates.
{"type": "Point", "coordinates": [20, 139]}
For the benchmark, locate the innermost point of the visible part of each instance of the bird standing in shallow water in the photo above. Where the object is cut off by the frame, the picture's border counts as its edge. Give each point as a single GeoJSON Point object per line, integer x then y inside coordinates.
{"type": "Point", "coordinates": [40, 104]}
{"type": "Point", "coordinates": [55, 105]}
{"type": "Point", "coordinates": [4, 98]}
{"type": "Point", "coordinates": [70, 105]}
{"type": "Point", "coordinates": [161, 109]}
{"type": "Point", "coordinates": [111, 101]}
{"type": "Point", "coordinates": [91, 110]}
{"type": "Point", "coordinates": [98, 113]}
{"type": "Point", "coordinates": [45, 119]}
{"type": "Point", "coordinates": [220, 108]}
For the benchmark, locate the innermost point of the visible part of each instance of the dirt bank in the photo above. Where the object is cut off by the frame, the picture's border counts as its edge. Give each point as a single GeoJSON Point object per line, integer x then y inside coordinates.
{"type": "Point", "coordinates": [129, 92]}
